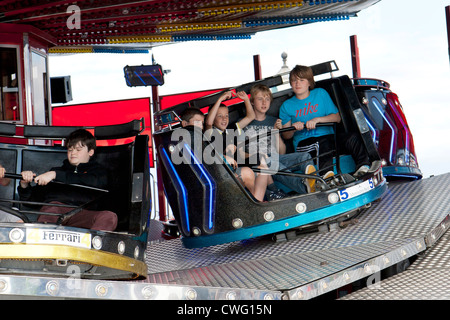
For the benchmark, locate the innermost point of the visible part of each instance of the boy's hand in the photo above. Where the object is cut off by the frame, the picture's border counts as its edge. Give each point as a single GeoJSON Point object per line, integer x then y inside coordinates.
{"type": "Point", "coordinates": [242, 95]}
{"type": "Point", "coordinates": [45, 178]}
{"type": "Point", "coordinates": [299, 125]}
{"type": "Point", "coordinates": [311, 124]}
{"type": "Point", "coordinates": [232, 162]}
{"type": "Point", "coordinates": [27, 177]}
{"type": "Point", "coordinates": [230, 149]}
{"type": "Point", "coordinates": [226, 95]}
{"type": "Point", "coordinates": [278, 125]}
{"type": "Point", "coordinates": [3, 181]}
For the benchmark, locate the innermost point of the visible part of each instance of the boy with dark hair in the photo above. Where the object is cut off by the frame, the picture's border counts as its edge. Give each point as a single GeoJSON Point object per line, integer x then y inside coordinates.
{"type": "Point", "coordinates": [192, 117]}
{"type": "Point", "coordinates": [79, 168]}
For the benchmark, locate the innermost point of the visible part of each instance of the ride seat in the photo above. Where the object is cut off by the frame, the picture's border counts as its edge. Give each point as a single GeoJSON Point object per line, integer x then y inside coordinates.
{"type": "Point", "coordinates": [116, 159]}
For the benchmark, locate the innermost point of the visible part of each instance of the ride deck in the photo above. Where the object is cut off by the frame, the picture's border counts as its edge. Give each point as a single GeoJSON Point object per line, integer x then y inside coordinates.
{"type": "Point", "coordinates": [427, 278]}
{"type": "Point", "coordinates": [408, 220]}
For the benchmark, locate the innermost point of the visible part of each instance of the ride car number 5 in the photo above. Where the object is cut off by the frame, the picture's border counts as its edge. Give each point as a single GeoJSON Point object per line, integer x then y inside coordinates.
{"type": "Point", "coordinates": [357, 190]}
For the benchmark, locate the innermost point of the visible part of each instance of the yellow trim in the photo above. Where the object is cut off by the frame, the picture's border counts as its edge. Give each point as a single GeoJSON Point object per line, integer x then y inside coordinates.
{"type": "Point", "coordinates": [195, 26]}
{"type": "Point", "coordinates": [100, 258]}
{"type": "Point", "coordinates": [249, 7]}
{"type": "Point", "coordinates": [70, 50]}
{"type": "Point", "coordinates": [140, 39]}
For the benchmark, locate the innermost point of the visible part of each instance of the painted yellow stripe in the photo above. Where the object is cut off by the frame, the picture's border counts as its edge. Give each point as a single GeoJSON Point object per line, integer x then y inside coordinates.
{"type": "Point", "coordinates": [70, 50]}
{"type": "Point", "coordinates": [138, 39]}
{"type": "Point", "coordinates": [176, 27]}
{"type": "Point", "coordinates": [249, 7]}
{"type": "Point", "coordinates": [100, 258]}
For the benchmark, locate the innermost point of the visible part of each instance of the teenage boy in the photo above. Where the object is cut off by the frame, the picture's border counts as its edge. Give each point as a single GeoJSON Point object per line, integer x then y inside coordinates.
{"type": "Point", "coordinates": [310, 106]}
{"type": "Point", "coordinates": [78, 168]}
{"type": "Point", "coordinates": [275, 155]}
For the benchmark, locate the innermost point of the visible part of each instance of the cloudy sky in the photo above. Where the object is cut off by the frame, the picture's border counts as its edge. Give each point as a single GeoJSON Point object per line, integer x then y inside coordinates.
{"type": "Point", "coordinates": [403, 42]}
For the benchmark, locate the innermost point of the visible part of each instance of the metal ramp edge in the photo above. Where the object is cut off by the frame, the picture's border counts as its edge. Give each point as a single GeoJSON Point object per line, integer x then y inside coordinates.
{"type": "Point", "coordinates": [427, 278]}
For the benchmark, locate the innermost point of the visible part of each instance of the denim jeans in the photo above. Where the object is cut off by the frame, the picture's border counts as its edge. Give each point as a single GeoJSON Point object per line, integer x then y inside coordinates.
{"type": "Point", "coordinates": [296, 162]}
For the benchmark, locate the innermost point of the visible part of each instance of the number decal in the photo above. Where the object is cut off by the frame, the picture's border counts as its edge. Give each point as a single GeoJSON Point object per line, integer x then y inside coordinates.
{"type": "Point", "coordinates": [356, 190]}
{"type": "Point", "coordinates": [343, 194]}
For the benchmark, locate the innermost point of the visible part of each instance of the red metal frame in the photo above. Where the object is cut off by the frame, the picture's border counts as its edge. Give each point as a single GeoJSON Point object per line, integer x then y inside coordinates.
{"type": "Point", "coordinates": [355, 56]}
{"type": "Point", "coordinates": [107, 113]}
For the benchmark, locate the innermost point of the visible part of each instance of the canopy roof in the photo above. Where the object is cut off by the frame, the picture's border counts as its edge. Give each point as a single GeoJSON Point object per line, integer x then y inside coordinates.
{"type": "Point", "coordinates": [84, 24]}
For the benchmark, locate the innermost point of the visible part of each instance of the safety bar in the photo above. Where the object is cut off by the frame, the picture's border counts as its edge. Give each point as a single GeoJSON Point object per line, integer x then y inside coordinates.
{"type": "Point", "coordinates": [18, 176]}
{"type": "Point", "coordinates": [62, 217]}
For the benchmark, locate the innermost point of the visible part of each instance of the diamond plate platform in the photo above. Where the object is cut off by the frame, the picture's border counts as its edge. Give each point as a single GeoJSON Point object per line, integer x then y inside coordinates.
{"type": "Point", "coordinates": [428, 278]}
{"type": "Point", "coordinates": [409, 218]}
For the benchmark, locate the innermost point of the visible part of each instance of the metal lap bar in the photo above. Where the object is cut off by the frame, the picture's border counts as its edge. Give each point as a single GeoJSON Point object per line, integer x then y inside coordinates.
{"type": "Point", "coordinates": [16, 213]}
{"type": "Point", "coordinates": [290, 174]}
{"type": "Point", "coordinates": [209, 194]}
{"type": "Point", "coordinates": [34, 203]}
{"type": "Point", "coordinates": [18, 176]}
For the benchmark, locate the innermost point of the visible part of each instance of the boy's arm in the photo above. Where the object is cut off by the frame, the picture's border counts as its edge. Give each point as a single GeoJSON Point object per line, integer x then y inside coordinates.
{"type": "Point", "coordinates": [45, 178]}
{"type": "Point", "coordinates": [331, 111]}
{"type": "Point", "coordinates": [286, 119]}
{"type": "Point", "coordinates": [95, 177]}
{"type": "Point", "coordinates": [24, 189]}
{"type": "Point", "coordinates": [249, 112]}
{"type": "Point", "coordinates": [209, 121]}
{"type": "Point", "coordinates": [27, 177]}
{"type": "Point", "coordinates": [334, 117]}
{"type": "Point", "coordinates": [3, 181]}
{"type": "Point", "coordinates": [281, 146]}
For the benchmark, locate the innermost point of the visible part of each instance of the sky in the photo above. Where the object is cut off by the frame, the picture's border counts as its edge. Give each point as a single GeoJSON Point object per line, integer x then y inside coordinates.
{"type": "Point", "coordinates": [403, 42]}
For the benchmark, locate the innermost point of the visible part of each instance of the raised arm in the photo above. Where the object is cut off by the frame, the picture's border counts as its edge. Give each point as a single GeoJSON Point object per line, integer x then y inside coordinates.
{"type": "Point", "coordinates": [249, 112]}
{"type": "Point", "coordinates": [209, 121]}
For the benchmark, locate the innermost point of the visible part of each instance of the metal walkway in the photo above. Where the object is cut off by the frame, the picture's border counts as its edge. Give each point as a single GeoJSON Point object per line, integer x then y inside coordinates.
{"type": "Point", "coordinates": [428, 278]}
{"type": "Point", "coordinates": [409, 219]}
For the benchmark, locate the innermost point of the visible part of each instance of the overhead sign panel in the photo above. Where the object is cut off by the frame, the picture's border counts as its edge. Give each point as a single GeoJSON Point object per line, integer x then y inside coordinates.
{"type": "Point", "coordinates": [142, 76]}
